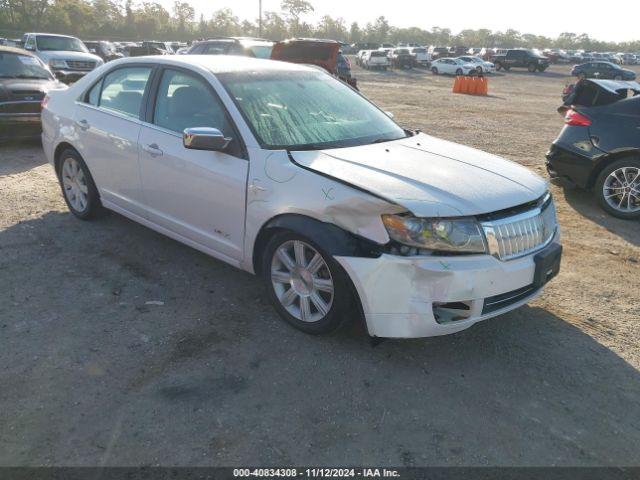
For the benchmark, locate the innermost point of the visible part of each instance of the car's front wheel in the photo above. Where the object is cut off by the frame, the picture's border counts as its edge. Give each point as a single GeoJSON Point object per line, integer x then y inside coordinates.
{"type": "Point", "coordinates": [306, 285]}
{"type": "Point", "coordinates": [618, 188]}
{"type": "Point", "coordinates": [532, 67]}
{"type": "Point", "coordinates": [434, 70]}
{"type": "Point", "coordinates": [78, 188]}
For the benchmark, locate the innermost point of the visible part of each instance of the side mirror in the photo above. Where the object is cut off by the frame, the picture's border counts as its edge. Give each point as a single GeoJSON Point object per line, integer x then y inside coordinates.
{"type": "Point", "coordinates": [204, 138]}
{"type": "Point", "coordinates": [389, 114]}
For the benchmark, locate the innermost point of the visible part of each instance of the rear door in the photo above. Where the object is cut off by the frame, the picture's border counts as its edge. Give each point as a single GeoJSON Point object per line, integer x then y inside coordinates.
{"type": "Point", "coordinates": [107, 123]}
{"type": "Point", "coordinates": [199, 195]}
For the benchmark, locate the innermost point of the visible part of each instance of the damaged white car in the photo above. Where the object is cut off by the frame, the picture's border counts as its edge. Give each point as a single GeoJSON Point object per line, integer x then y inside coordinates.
{"type": "Point", "coordinates": [286, 172]}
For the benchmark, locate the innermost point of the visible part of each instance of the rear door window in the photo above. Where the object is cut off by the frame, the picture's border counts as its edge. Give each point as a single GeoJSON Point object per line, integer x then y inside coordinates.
{"type": "Point", "coordinates": [123, 90]}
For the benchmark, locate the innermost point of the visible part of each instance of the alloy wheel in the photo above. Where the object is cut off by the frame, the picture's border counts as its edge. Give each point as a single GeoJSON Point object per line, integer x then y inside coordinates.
{"type": "Point", "coordinates": [621, 189]}
{"type": "Point", "coordinates": [302, 281]}
{"type": "Point", "coordinates": [74, 184]}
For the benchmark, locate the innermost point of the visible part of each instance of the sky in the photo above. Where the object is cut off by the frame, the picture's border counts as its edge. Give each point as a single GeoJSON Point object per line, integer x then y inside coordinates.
{"type": "Point", "coordinates": [541, 17]}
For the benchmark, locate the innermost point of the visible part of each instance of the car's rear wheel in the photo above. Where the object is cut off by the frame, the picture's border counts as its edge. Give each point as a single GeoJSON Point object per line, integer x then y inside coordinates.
{"type": "Point", "coordinates": [434, 70]}
{"type": "Point", "coordinates": [459, 71]}
{"type": "Point", "coordinates": [306, 285]}
{"type": "Point", "coordinates": [618, 188]}
{"type": "Point", "coordinates": [78, 188]}
{"type": "Point", "coordinates": [532, 67]}
{"type": "Point", "coordinates": [498, 66]}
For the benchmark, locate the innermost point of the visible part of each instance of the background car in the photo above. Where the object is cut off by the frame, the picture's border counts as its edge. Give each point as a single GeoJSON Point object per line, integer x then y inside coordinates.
{"type": "Point", "coordinates": [375, 59]}
{"type": "Point", "coordinates": [599, 144]}
{"type": "Point", "coordinates": [452, 66]}
{"type": "Point", "coordinates": [401, 58]}
{"type": "Point", "coordinates": [324, 54]}
{"type": "Point", "coordinates": [105, 50]}
{"type": "Point", "coordinates": [481, 66]}
{"type": "Point", "coordinates": [531, 59]}
{"type": "Point", "coordinates": [67, 57]}
{"type": "Point", "coordinates": [604, 70]}
{"type": "Point", "coordinates": [245, 46]}
{"type": "Point", "coordinates": [24, 82]}
{"type": "Point", "coordinates": [421, 57]}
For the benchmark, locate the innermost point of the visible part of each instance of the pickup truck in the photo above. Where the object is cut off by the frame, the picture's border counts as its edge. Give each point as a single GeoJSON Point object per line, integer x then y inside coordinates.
{"type": "Point", "coordinates": [532, 60]}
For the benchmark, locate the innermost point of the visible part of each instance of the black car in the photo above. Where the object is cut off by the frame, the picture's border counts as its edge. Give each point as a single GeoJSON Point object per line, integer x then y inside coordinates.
{"type": "Point", "coordinates": [244, 46]}
{"type": "Point", "coordinates": [105, 50]}
{"type": "Point", "coordinates": [603, 70]}
{"type": "Point", "coordinates": [530, 59]}
{"type": "Point", "coordinates": [599, 146]}
{"type": "Point", "coordinates": [343, 66]}
{"type": "Point", "coordinates": [24, 82]}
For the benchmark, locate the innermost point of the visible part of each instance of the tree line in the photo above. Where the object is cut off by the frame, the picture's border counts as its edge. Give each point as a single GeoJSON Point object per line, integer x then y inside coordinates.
{"type": "Point", "coordinates": [126, 20]}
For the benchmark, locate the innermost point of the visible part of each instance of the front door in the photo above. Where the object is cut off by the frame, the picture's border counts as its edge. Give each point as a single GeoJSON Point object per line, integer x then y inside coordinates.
{"type": "Point", "coordinates": [197, 194]}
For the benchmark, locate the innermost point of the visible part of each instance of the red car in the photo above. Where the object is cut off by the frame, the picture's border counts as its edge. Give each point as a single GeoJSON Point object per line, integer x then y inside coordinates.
{"type": "Point", "coordinates": [322, 53]}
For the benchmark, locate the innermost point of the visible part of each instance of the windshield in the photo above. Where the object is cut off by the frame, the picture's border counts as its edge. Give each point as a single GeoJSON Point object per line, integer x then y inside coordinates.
{"type": "Point", "coordinates": [306, 111]}
{"type": "Point", "coordinates": [261, 51]}
{"type": "Point", "coordinates": [13, 65]}
{"type": "Point", "coordinates": [46, 42]}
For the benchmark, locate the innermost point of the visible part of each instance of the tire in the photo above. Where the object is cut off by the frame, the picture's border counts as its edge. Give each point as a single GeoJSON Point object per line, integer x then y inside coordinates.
{"type": "Point", "coordinates": [434, 70]}
{"type": "Point", "coordinates": [459, 72]}
{"type": "Point", "coordinates": [610, 181]}
{"type": "Point", "coordinates": [542, 69]}
{"type": "Point", "coordinates": [325, 314]}
{"type": "Point", "coordinates": [480, 71]}
{"type": "Point", "coordinates": [78, 188]}
{"type": "Point", "coordinates": [498, 66]}
{"type": "Point", "coordinates": [532, 67]}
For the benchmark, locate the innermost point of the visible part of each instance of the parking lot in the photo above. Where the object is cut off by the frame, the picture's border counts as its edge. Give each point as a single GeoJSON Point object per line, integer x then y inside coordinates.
{"type": "Point", "coordinates": [120, 346]}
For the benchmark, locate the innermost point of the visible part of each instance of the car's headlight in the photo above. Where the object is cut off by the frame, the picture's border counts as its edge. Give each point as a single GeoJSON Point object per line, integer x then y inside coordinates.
{"type": "Point", "coordinates": [461, 235]}
{"type": "Point", "coordinates": [57, 63]}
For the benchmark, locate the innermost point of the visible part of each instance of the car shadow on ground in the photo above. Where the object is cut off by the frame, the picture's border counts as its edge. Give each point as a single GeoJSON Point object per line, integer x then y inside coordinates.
{"type": "Point", "coordinates": [20, 156]}
{"type": "Point", "coordinates": [171, 357]}
{"type": "Point", "coordinates": [585, 203]}
{"type": "Point", "coordinates": [546, 74]}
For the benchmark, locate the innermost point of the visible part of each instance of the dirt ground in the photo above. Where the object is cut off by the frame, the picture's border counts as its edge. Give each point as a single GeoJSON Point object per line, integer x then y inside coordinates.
{"type": "Point", "coordinates": [119, 346]}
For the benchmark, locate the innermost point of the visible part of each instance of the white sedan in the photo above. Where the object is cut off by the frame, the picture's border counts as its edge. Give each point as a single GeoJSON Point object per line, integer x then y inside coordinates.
{"type": "Point", "coordinates": [481, 66]}
{"type": "Point", "coordinates": [288, 173]}
{"type": "Point", "coordinates": [452, 66]}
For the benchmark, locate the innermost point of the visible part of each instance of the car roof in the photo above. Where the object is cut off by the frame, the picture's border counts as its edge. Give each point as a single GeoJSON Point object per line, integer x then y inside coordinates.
{"type": "Point", "coordinates": [218, 63]}
{"type": "Point", "coordinates": [16, 50]}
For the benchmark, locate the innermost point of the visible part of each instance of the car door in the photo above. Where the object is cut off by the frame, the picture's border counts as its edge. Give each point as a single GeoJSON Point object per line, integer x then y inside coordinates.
{"type": "Point", "coordinates": [107, 122]}
{"type": "Point", "coordinates": [199, 195]}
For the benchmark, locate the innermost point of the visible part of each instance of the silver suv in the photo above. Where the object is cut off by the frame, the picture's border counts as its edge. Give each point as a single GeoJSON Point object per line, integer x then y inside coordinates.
{"type": "Point", "coordinates": [67, 57]}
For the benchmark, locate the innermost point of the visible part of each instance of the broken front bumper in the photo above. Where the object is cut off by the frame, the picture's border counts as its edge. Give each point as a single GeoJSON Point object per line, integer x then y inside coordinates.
{"type": "Point", "coordinates": [408, 297]}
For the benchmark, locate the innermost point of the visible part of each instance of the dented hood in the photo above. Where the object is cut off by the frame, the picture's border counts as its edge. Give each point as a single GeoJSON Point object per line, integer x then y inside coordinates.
{"type": "Point", "coordinates": [429, 176]}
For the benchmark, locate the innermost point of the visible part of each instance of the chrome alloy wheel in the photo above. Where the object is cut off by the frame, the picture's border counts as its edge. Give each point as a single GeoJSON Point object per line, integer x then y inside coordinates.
{"type": "Point", "coordinates": [621, 189]}
{"type": "Point", "coordinates": [74, 184]}
{"type": "Point", "coordinates": [302, 281]}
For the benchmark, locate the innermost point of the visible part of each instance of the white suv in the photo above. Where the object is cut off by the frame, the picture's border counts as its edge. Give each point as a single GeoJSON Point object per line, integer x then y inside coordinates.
{"type": "Point", "coordinates": [67, 57]}
{"type": "Point", "coordinates": [286, 172]}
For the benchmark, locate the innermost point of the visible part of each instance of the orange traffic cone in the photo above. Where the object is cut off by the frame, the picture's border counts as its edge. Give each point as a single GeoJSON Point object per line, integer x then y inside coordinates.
{"type": "Point", "coordinates": [456, 84]}
{"type": "Point", "coordinates": [467, 86]}
{"type": "Point", "coordinates": [485, 86]}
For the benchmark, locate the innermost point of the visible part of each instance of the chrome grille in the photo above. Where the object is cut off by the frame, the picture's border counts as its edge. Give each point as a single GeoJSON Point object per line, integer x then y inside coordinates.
{"type": "Point", "coordinates": [80, 65]}
{"type": "Point", "coordinates": [521, 234]}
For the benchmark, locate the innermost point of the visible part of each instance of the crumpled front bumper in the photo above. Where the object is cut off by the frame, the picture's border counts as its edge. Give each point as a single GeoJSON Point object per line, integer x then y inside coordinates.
{"type": "Point", "coordinates": [398, 294]}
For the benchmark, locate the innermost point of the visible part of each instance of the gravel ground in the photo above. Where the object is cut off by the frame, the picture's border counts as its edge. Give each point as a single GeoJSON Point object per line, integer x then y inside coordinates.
{"type": "Point", "coordinates": [119, 346]}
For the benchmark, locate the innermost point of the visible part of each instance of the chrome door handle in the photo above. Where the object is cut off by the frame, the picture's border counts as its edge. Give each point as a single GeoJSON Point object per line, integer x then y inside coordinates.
{"type": "Point", "coordinates": [83, 124]}
{"type": "Point", "coordinates": [153, 150]}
